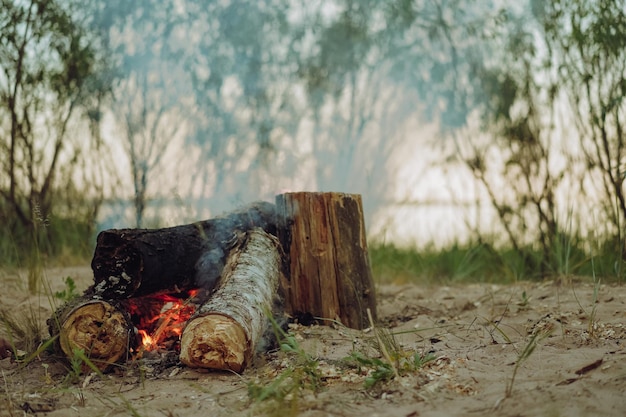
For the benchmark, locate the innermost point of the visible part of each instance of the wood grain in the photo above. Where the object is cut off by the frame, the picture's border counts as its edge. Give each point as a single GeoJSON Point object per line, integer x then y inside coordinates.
{"type": "Point", "coordinates": [330, 278]}
{"type": "Point", "coordinates": [226, 329]}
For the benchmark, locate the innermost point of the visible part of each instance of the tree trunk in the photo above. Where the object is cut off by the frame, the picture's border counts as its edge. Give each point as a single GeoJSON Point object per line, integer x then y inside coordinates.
{"type": "Point", "coordinates": [102, 330]}
{"type": "Point", "coordinates": [135, 262]}
{"type": "Point", "coordinates": [226, 329]}
{"type": "Point", "coordinates": [323, 235]}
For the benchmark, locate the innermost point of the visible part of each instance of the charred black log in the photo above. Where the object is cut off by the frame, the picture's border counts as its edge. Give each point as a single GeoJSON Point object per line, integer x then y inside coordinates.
{"type": "Point", "coordinates": [135, 262]}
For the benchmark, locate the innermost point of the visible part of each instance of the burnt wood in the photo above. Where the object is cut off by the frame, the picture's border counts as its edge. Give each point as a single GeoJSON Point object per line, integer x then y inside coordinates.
{"type": "Point", "coordinates": [135, 262]}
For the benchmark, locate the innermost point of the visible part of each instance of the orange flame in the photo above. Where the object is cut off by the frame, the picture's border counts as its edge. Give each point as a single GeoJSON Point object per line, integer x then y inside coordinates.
{"type": "Point", "coordinates": [161, 318]}
{"type": "Point", "coordinates": [146, 339]}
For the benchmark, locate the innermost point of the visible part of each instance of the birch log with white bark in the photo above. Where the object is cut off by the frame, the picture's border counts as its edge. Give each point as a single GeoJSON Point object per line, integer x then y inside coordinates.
{"type": "Point", "coordinates": [225, 330]}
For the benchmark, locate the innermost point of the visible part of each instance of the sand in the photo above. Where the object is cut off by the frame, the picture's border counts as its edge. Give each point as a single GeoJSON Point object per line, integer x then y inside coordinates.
{"type": "Point", "coordinates": [476, 332]}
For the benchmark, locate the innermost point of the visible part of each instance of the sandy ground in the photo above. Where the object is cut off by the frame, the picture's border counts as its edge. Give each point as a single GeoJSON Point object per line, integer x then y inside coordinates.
{"type": "Point", "coordinates": [476, 332]}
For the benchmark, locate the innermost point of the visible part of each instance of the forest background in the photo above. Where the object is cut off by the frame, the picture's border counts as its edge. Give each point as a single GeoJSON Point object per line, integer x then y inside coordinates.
{"type": "Point", "coordinates": [486, 138]}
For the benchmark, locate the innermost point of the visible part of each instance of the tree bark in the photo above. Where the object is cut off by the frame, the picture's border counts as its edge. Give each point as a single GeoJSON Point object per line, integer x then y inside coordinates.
{"type": "Point", "coordinates": [103, 330]}
{"type": "Point", "coordinates": [226, 329]}
{"type": "Point", "coordinates": [135, 262]}
{"type": "Point", "coordinates": [323, 235]}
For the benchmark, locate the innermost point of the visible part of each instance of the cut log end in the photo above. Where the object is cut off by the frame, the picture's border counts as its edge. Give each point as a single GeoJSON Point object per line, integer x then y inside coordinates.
{"type": "Point", "coordinates": [99, 329]}
{"type": "Point", "coordinates": [215, 342]}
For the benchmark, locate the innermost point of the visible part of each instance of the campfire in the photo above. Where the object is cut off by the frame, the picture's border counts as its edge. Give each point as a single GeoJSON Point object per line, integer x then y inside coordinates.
{"type": "Point", "coordinates": [203, 290]}
{"type": "Point", "coordinates": [160, 319]}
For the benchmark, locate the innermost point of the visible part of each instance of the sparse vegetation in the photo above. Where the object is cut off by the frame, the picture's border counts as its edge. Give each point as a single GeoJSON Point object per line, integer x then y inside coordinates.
{"type": "Point", "coordinates": [69, 292]}
{"type": "Point", "coordinates": [25, 331]}
{"type": "Point", "coordinates": [80, 364]}
{"type": "Point", "coordinates": [380, 370]}
{"type": "Point", "coordinates": [392, 361]}
{"type": "Point", "coordinates": [524, 355]}
{"type": "Point", "coordinates": [282, 390]}
{"type": "Point", "coordinates": [483, 262]}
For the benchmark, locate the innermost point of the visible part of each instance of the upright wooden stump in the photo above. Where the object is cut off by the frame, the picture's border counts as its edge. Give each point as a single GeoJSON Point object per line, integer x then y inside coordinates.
{"type": "Point", "coordinates": [328, 269]}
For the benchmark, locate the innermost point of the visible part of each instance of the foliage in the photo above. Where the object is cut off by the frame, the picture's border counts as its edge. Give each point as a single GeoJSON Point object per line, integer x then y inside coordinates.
{"type": "Point", "coordinates": [393, 362]}
{"type": "Point", "coordinates": [524, 355]}
{"type": "Point", "coordinates": [204, 101]}
{"type": "Point", "coordinates": [382, 371]}
{"type": "Point", "coordinates": [59, 240]}
{"type": "Point", "coordinates": [487, 262]}
{"type": "Point", "coordinates": [80, 364]}
{"type": "Point", "coordinates": [557, 80]}
{"type": "Point", "coordinates": [25, 332]}
{"type": "Point", "coordinates": [69, 292]}
{"type": "Point", "coordinates": [290, 88]}
{"type": "Point", "coordinates": [49, 81]}
{"type": "Point", "coordinates": [584, 42]}
{"type": "Point", "coordinates": [283, 391]}
{"type": "Point", "coordinates": [221, 102]}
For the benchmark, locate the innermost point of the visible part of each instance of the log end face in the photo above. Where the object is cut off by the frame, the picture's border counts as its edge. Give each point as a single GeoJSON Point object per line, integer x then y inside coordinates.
{"type": "Point", "coordinates": [99, 330]}
{"type": "Point", "coordinates": [214, 342]}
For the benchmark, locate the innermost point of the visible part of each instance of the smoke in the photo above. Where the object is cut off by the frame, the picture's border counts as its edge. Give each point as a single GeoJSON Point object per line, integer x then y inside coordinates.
{"type": "Point", "coordinates": [209, 268]}
{"type": "Point", "coordinates": [271, 96]}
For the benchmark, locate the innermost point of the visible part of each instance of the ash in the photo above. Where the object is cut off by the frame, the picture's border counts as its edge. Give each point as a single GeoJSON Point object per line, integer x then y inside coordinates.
{"type": "Point", "coordinates": [156, 362]}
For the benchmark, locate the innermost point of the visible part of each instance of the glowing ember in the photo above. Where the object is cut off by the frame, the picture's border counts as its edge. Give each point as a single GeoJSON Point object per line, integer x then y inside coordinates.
{"type": "Point", "coordinates": [160, 319]}
{"type": "Point", "coordinates": [146, 340]}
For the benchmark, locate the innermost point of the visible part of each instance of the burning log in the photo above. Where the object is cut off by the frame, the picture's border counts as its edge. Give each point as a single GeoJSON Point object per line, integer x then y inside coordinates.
{"type": "Point", "coordinates": [102, 330]}
{"type": "Point", "coordinates": [138, 271]}
{"type": "Point", "coordinates": [135, 262]}
{"type": "Point", "coordinates": [323, 235]}
{"type": "Point", "coordinates": [107, 331]}
{"type": "Point", "coordinates": [226, 329]}
{"type": "Point", "coordinates": [160, 319]}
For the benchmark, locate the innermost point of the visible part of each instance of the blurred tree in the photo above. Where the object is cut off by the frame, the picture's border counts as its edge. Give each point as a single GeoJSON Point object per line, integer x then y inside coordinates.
{"type": "Point", "coordinates": [365, 73]}
{"type": "Point", "coordinates": [348, 95]}
{"type": "Point", "coordinates": [210, 72]}
{"type": "Point", "coordinates": [144, 100]}
{"type": "Point", "coordinates": [48, 85]}
{"type": "Point", "coordinates": [149, 99]}
{"type": "Point", "coordinates": [586, 44]}
{"type": "Point", "coordinates": [273, 90]}
{"type": "Point", "coordinates": [545, 71]}
{"type": "Point", "coordinates": [242, 62]}
{"type": "Point", "coordinates": [515, 157]}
